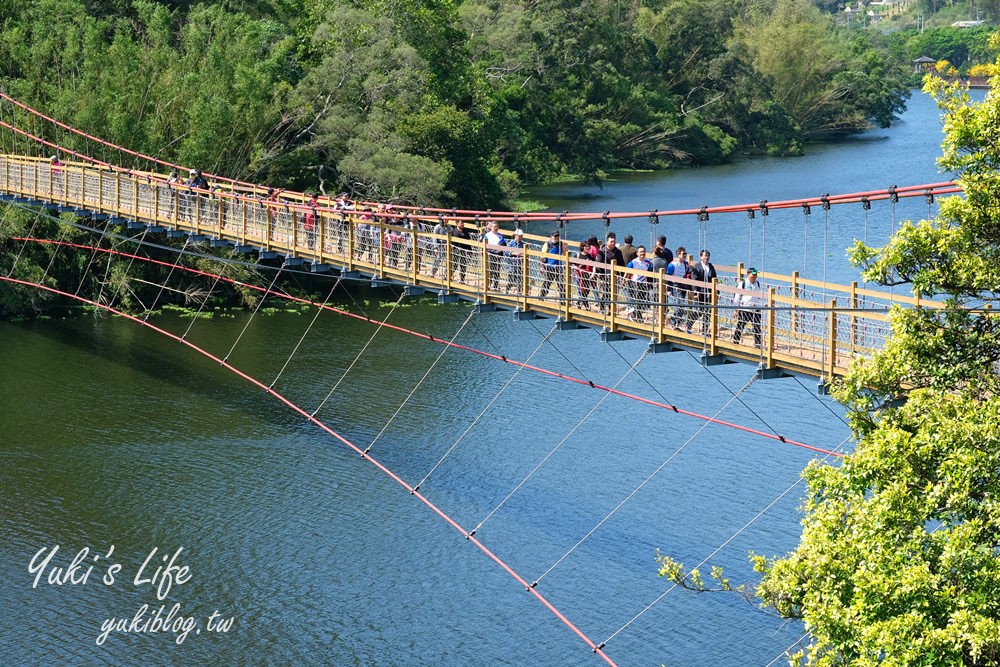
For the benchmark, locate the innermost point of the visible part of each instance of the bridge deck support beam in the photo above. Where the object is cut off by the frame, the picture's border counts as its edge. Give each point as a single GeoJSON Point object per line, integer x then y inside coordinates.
{"type": "Point", "coordinates": [666, 346]}
{"type": "Point", "coordinates": [765, 373]}
{"type": "Point", "coordinates": [709, 359]}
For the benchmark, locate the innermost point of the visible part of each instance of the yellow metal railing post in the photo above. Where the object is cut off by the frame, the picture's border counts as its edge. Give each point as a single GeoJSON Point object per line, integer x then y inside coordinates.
{"type": "Point", "coordinates": [525, 284]}
{"type": "Point", "coordinates": [613, 296]}
{"type": "Point", "coordinates": [415, 251]}
{"type": "Point", "coordinates": [321, 234]}
{"type": "Point", "coordinates": [447, 263]}
{"type": "Point", "coordinates": [380, 243]}
{"type": "Point", "coordinates": [222, 213]}
{"type": "Point", "coordinates": [770, 327]}
{"type": "Point", "coordinates": [568, 287]}
{"type": "Point", "coordinates": [713, 319]}
{"type": "Point", "coordinates": [196, 202]}
{"type": "Point", "coordinates": [661, 307]}
{"type": "Point", "coordinates": [794, 323]}
{"type": "Point", "coordinates": [135, 197]}
{"type": "Point", "coordinates": [156, 203]}
{"type": "Point", "coordinates": [243, 220]}
{"type": "Point", "coordinates": [854, 316]}
{"type": "Point", "coordinates": [484, 270]}
{"type": "Point", "coordinates": [351, 240]}
{"type": "Point", "coordinates": [832, 339]}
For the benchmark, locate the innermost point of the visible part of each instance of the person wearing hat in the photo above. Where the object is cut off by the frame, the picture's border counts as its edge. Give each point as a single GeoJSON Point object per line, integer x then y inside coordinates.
{"type": "Point", "coordinates": [750, 299]}
{"type": "Point", "coordinates": [494, 257]}
{"type": "Point", "coordinates": [515, 262]}
{"type": "Point", "coordinates": [552, 268]}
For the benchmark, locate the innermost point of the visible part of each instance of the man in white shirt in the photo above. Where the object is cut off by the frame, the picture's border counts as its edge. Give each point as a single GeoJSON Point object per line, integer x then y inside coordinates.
{"type": "Point", "coordinates": [750, 301]}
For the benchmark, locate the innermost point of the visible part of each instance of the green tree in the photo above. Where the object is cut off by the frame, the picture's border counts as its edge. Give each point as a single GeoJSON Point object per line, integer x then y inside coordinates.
{"type": "Point", "coordinates": [899, 560]}
{"type": "Point", "coordinates": [829, 85]}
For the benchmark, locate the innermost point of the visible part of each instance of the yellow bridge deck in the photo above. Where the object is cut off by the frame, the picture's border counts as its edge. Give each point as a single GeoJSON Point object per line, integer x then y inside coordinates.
{"type": "Point", "coordinates": [808, 327]}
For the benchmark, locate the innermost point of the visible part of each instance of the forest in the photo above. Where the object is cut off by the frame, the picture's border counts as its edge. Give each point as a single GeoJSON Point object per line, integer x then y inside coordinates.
{"type": "Point", "coordinates": [449, 102]}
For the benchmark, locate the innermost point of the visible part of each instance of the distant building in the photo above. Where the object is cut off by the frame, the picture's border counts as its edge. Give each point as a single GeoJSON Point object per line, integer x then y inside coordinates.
{"type": "Point", "coordinates": [967, 24]}
{"type": "Point", "coordinates": [923, 64]}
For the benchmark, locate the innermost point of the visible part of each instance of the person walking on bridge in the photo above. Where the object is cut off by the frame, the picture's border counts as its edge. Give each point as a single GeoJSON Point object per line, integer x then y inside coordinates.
{"type": "Point", "coordinates": [494, 256]}
{"type": "Point", "coordinates": [552, 268]}
{"type": "Point", "coordinates": [515, 263]}
{"type": "Point", "coordinates": [750, 302]}
{"type": "Point", "coordinates": [629, 251]}
{"type": "Point", "coordinates": [704, 273]}
{"type": "Point", "coordinates": [639, 285]}
{"type": "Point", "coordinates": [609, 254]}
{"type": "Point", "coordinates": [461, 249]}
{"type": "Point", "coordinates": [680, 315]}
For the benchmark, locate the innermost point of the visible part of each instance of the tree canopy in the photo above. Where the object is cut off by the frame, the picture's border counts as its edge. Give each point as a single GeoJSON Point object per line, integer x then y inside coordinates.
{"type": "Point", "coordinates": [447, 102]}
{"type": "Point", "coordinates": [899, 560]}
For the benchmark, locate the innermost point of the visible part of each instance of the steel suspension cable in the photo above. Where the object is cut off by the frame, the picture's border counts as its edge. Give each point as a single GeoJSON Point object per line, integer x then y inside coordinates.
{"type": "Point", "coordinates": [736, 395]}
{"type": "Point", "coordinates": [253, 315]}
{"type": "Point", "coordinates": [31, 230]}
{"type": "Point", "coordinates": [357, 358]}
{"type": "Point", "coordinates": [717, 549]}
{"type": "Point", "coordinates": [823, 403]}
{"type": "Point", "coordinates": [784, 653]}
{"type": "Point", "coordinates": [559, 351]}
{"type": "Point", "coordinates": [52, 259]}
{"type": "Point", "coordinates": [805, 239]}
{"type": "Point", "coordinates": [107, 268]}
{"type": "Point", "coordinates": [484, 410]}
{"type": "Point", "coordinates": [556, 448]}
{"type": "Point", "coordinates": [763, 243]}
{"type": "Point", "coordinates": [379, 465]}
{"type": "Point", "coordinates": [420, 382]}
{"type": "Point", "coordinates": [305, 333]}
{"type": "Point", "coordinates": [152, 306]}
{"type": "Point", "coordinates": [128, 267]}
{"type": "Point", "coordinates": [642, 483]}
{"type": "Point", "coordinates": [826, 225]}
{"type": "Point", "coordinates": [425, 336]}
{"type": "Point", "coordinates": [204, 301]}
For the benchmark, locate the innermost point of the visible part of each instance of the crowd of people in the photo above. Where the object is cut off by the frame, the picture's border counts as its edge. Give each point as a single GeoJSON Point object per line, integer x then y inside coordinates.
{"type": "Point", "coordinates": [383, 234]}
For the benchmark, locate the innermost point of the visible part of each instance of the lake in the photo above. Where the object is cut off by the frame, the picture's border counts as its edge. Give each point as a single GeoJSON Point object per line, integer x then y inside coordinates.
{"type": "Point", "coordinates": [244, 535]}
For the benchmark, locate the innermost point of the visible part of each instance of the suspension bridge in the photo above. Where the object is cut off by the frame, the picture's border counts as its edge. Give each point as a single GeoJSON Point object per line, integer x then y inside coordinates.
{"type": "Point", "coordinates": [808, 327]}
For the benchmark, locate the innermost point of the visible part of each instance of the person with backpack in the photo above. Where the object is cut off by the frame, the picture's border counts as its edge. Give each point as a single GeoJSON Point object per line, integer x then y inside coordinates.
{"type": "Point", "coordinates": [552, 268]}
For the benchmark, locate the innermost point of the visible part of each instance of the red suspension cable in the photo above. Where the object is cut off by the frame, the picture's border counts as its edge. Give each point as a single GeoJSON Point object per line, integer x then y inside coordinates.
{"type": "Point", "coordinates": [389, 473]}
{"type": "Point", "coordinates": [537, 369]}
{"type": "Point", "coordinates": [429, 213]}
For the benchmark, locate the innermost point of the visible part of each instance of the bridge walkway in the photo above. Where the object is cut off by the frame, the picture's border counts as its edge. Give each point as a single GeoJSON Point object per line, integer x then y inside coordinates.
{"type": "Point", "coordinates": [808, 327]}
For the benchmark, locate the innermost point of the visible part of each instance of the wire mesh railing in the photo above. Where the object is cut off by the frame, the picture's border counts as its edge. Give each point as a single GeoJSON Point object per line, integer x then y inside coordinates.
{"type": "Point", "coordinates": [806, 325]}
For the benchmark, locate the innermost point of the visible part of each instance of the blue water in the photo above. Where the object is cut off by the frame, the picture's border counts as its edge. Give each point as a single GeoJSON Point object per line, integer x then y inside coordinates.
{"type": "Point", "coordinates": [112, 435]}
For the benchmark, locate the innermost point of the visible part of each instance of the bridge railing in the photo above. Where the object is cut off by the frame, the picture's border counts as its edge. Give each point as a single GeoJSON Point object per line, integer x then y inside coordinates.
{"type": "Point", "coordinates": [807, 325]}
